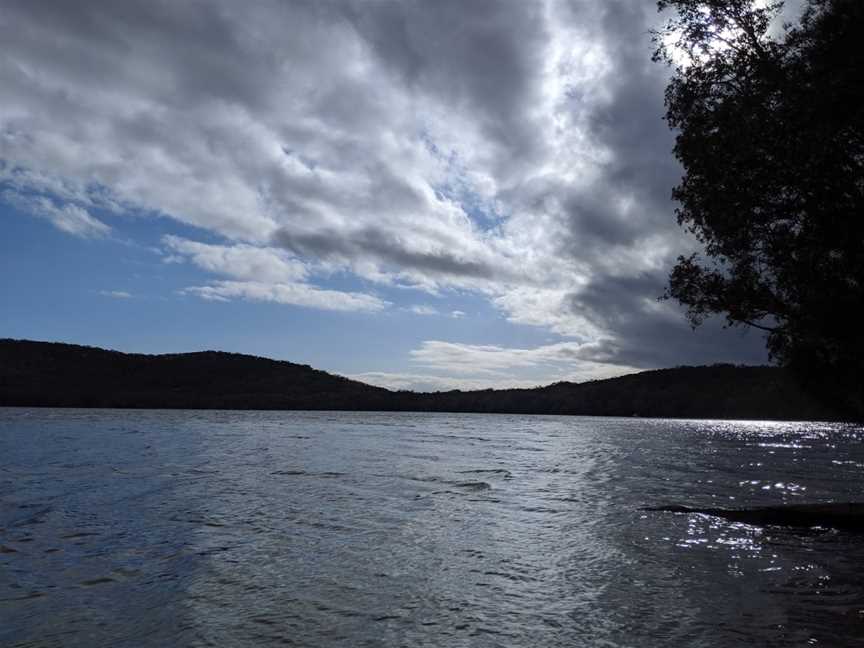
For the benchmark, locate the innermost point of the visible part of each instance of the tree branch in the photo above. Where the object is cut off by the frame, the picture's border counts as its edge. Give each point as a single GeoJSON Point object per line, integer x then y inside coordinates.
{"type": "Point", "coordinates": [769, 329]}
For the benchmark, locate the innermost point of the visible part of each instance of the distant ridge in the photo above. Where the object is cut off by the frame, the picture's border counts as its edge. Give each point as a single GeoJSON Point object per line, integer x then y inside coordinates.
{"type": "Point", "coordinates": [49, 374]}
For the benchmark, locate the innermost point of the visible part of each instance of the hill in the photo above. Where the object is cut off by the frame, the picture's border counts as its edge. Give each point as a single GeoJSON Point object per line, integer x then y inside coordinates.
{"type": "Point", "coordinates": [719, 391]}
{"type": "Point", "coordinates": [66, 375]}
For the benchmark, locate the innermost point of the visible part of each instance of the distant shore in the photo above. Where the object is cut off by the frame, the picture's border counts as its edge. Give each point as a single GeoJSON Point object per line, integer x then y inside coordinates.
{"type": "Point", "coordinates": [47, 374]}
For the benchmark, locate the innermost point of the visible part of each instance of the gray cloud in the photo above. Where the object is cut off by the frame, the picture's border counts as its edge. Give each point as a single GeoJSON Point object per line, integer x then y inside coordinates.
{"type": "Point", "coordinates": [511, 149]}
{"type": "Point", "coordinates": [630, 200]}
{"type": "Point", "coordinates": [383, 245]}
{"type": "Point", "coordinates": [481, 57]}
{"type": "Point", "coordinates": [645, 332]}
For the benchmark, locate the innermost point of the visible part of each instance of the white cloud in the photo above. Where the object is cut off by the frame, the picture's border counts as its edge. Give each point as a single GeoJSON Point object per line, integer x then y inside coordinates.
{"type": "Point", "coordinates": [431, 383]}
{"type": "Point", "coordinates": [466, 367]}
{"type": "Point", "coordinates": [296, 294]}
{"type": "Point", "coordinates": [421, 309]}
{"type": "Point", "coordinates": [560, 361]}
{"type": "Point", "coordinates": [247, 262]}
{"type": "Point", "coordinates": [70, 218]}
{"type": "Point", "coordinates": [116, 294]}
{"type": "Point", "coordinates": [264, 274]}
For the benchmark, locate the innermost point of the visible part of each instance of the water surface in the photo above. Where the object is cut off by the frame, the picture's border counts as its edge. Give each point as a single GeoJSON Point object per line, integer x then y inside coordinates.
{"type": "Point", "coordinates": [155, 528]}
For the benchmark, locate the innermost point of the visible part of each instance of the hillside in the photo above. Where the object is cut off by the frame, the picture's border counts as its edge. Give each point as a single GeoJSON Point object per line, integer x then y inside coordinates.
{"type": "Point", "coordinates": [720, 391]}
{"type": "Point", "coordinates": [65, 375]}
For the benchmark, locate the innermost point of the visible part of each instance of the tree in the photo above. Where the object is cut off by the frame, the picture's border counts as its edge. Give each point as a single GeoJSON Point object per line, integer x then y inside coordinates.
{"type": "Point", "coordinates": [770, 132]}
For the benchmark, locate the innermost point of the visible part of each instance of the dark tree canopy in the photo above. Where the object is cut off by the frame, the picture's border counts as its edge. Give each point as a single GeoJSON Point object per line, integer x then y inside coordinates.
{"type": "Point", "coordinates": [770, 132]}
{"type": "Point", "coordinates": [39, 374]}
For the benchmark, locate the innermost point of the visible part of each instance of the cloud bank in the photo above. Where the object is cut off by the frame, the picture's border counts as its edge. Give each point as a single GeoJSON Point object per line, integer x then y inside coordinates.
{"type": "Point", "coordinates": [509, 150]}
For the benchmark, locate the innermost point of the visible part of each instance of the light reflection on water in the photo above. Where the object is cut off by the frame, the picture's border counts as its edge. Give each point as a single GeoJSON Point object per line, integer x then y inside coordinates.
{"type": "Point", "coordinates": [128, 528]}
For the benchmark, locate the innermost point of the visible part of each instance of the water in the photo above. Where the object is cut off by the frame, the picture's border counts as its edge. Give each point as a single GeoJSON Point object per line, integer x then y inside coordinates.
{"type": "Point", "coordinates": [156, 528]}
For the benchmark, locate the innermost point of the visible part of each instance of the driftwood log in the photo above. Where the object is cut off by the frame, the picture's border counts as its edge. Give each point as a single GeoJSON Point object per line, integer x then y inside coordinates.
{"type": "Point", "coordinates": [848, 516]}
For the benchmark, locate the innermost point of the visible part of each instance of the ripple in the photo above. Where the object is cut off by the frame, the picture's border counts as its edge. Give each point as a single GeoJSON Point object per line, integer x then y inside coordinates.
{"type": "Point", "coordinates": [492, 471]}
{"type": "Point", "coordinates": [474, 485]}
{"type": "Point", "coordinates": [97, 581]}
{"type": "Point", "coordinates": [24, 597]}
{"type": "Point", "coordinates": [265, 528]}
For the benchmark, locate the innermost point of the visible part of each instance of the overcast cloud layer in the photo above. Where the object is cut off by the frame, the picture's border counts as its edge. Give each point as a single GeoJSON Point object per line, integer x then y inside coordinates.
{"type": "Point", "coordinates": [513, 150]}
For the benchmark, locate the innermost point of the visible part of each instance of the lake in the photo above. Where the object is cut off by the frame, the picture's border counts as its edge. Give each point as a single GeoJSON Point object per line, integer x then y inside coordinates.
{"type": "Point", "coordinates": [213, 528]}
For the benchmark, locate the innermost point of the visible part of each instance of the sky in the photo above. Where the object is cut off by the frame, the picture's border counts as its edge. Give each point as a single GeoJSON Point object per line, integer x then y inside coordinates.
{"type": "Point", "coordinates": [420, 195]}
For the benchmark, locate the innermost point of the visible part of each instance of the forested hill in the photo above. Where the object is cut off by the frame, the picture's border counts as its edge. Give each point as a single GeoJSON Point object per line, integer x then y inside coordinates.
{"type": "Point", "coordinates": [68, 375]}
{"type": "Point", "coordinates": [65, 375]}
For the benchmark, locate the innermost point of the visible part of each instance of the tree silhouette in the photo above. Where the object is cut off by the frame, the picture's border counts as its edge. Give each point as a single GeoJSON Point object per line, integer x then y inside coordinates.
{"type": "Point", "coordinates": [770, 132]}
{"type": "Point", "coordinates": [50, 374]}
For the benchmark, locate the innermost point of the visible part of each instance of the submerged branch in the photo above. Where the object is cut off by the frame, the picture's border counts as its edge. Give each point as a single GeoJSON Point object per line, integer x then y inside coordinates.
{"type": "Point", "coordinates": [848, 516]}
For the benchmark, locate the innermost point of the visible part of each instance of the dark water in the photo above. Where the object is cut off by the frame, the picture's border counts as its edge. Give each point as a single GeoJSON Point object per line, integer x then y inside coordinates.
{"type": "Point", "coordinates": [123, 528]}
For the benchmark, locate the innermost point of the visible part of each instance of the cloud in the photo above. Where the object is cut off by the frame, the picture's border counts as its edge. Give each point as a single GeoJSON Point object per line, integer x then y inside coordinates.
{"type": "Point", "coordinates": [430, 252]}
{"type": "Point", "coordinates": [264, 274]}
{"type": "Point", "coordinates": [116, 294]}
{"type": "Point", "coordinates": [69, 218]}
{"type": "Point", "coordinates": [241, 261]}
{"type": "Point", "coordinates": [296, 294]}
{"type": "Point", "coordinates": [562, 361]}
{"type": "Point", "coordinates": [511, 150]}
{"type": "Point", "coordinates": [432, 383]}
{"type": "Point", "coordinates": [419, 309]}
{"type": "Point", "coordinates": [650, 333]}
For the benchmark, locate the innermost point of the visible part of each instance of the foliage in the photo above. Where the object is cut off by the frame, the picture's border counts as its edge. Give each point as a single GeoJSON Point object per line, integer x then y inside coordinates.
{"type": "Point", "coordinates": [770, 132]}
{"type": "Point", "coordinates": [36, 374]}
